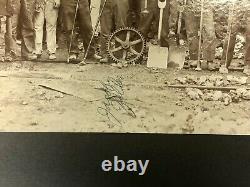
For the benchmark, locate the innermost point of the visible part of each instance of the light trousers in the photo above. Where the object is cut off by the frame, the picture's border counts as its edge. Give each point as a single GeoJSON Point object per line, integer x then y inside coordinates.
{"type": "Point", "coordinates": [50, 14]}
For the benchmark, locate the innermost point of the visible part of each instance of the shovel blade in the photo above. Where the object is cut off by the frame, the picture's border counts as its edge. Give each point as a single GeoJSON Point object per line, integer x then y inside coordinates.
{"type": "Point", "coordinates": [157, 57]}
{"type": "Point", "coordinates": [176, 57]}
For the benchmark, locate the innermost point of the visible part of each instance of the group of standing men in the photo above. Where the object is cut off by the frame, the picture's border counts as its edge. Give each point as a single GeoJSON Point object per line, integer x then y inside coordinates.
{"type": "Point", "coordinates": [116, 15]}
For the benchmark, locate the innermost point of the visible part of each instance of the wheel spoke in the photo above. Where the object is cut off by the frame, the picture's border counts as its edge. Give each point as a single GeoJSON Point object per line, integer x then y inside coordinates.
{"type": "Point", "coordinates": [128, 36]}
{"type": "Point", "coordinates": [118, 40]}
{"type": "Point", "coordinates": [136, 42]}
{"type": "Point", "coordinates": [124, 55]}
{"type": "Point", "coordinates": [134, 51]}
{"type": "Point", "coordinates": [116, 49]}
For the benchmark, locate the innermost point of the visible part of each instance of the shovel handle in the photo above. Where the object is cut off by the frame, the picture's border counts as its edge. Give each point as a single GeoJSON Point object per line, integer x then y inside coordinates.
{"type": "Point", "coordinates": [162, 4]}
{"type": "Point", "coordinates": [200, 35]}
{"type": "Point", "coordinates": [146, 4]}
{"type": "Point", "coordinates": [160, 24]}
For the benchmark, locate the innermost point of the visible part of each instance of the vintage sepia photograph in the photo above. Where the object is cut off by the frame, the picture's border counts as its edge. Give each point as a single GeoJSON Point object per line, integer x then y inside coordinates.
{"type": "Point", "coordinates": [125, 66]}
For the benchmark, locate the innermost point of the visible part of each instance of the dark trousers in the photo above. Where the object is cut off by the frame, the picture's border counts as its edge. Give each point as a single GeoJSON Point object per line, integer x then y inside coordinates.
{"type": "Point", "coordinates": [192, 23]}
{"type": "Point", "coordinates": [153, 16]}
{"type": "Point", "coordinates": [228, 46]}
{"type": "Point", "coordinates": [134, 13]}
{"type": "Point", "coordinates": [83, 19]}
{"type": "Point", "coordinates": [114, 16]}
{"type": "Point", "coordinates": [247, 55]}
{"type": "Point", "coordinates": [10, 43]}
{"type": "Point", "coordinates": [26, 27]}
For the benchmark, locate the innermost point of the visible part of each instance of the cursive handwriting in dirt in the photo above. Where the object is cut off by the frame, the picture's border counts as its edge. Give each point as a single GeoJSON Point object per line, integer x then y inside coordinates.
{"type": "Point", "coordinates": [114, 102]}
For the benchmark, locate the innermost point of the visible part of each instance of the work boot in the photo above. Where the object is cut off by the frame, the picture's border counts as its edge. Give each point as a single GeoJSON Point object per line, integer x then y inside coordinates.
{"type": "Point", "coordinates": [193, 63]}
{"type": "Point", "coordinates": [97, 57]}
{"type": "Point", "coordinates": [33, 56]}
{"type": "Point", "coordinates": [8, 58]}
{"type": "Point", "coordinates": [211, 66]}
{"type": "Point", "coordinates": [223, 69]}
{"type": "Point", "coordinates": [118, 65]}
{"type": "Point", "coordinates": [52, 56]}
{"type": "Point", "coordinates": [247, 70]}
{"type": "Point", "coordinates": [94, 57]}
{"type": "Point", "coordinates": [104, 60]}
{"type": "Point", "coordinates": [72, 57]}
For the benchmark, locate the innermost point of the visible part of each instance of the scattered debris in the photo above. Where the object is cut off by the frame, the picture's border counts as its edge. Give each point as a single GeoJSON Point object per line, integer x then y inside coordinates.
{"type": "Point", "coordinates": [24, 103]}
{"type": "Point", "coordinates": [188, 127]}
{"type": "Point", "coordinates": [34, 124]}
{"type": "Point", "coordinates": [194, 94]}
{"type": "Point", "coordinates": [170, 113]}
{"type": "Point", "coordinates": [212, 88]}
{"type": "Point", "coordinates": [213, 80]}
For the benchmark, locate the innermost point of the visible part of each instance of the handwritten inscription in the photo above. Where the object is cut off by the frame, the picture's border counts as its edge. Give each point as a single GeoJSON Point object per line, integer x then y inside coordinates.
{"type": "Point", "coordinates": [114, 100]}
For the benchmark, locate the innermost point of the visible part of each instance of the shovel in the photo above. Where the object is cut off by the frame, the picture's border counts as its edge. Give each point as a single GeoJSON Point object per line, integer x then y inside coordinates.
{"type": "Point", "coordinates": [145, 11]}
{"type": "Point", "coordinates": [177, 53]}
{"type": "Point", "coordinates": [158, 56]}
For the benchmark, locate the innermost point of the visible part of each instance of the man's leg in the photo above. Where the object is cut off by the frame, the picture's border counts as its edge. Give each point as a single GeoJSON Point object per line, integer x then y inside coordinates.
{"type": "Point", "coordinates": [146, 20]}
{"type": "Point", "coordinates": [165, 26]}
{"type": "Point", "coordinates": [51, 14]}
{"type": "Point", "coordinates": [68, 8]}
{"type": "Point", "coordinates": [107, 26]}
{"type": "Point", "coordinates": [192, 25]}
{"type": "Point", "coordinates": [38, 29]}
{"type": "Point", "coordinates": [10, 44]}
{"type": "Point", "coordinates": [85, 25]}
{"type": "Point", "coordinates": [247, 54]}
{"type": "Point", "coordinates": [228, 47]}
{"type": "Point", "coordinates": [134, 13]}
{"type": "Point", "coordinates": [121, 8]}
{"type": "Point", "coordinates": [11, 31]}
{"type": "Point", "coordinates": [26, 27]}
{"type": "Point", "coordinates": [209, 37]}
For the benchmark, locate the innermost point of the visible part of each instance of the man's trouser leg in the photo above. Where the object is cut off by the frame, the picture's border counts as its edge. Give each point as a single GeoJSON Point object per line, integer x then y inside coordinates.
{"type": "Point", "coordinates": [14, 25]}
{"type": "Point", "coordinates": [192, 25]}
{"type": "Point", "coordinates": [121, 8]}
{"type": "Point", "coordinates": [27, 32]}
{"type": "Point", "coordinates": [51, 15]}
{"type": "Point", "coordinates": [228, 50]}
{"type": "Point", "coordinates": [165, 25]}
{"type": "Point", "coordinates": [68, 12]}
{"type": "Point", "coordinates": [10, 44]}
{"type": "Point", "coordinates": [146, 20]}
{"type": "Point", "coordinates": [247, 54]}
{"type": "Point", "coordinates": [85, 25]}
{"type": "Point", "coordinates": [135, 8]}
{"type": "Point", "coordinates": [153, 15]}
{"type": "Point", "coordinates": [38, 28]}
{"type": "Point", "coordinates": [106, 25]}
{"type": "Point", "coordinates": [208, 36]}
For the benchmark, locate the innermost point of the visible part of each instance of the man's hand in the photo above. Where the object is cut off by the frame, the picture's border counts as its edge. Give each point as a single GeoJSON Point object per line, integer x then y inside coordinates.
{"type": "Point", "coordinates": [57, 3]}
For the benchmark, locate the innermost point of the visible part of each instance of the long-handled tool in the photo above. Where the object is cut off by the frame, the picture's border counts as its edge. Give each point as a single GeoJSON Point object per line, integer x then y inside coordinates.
{"type": "Point", "coordinates": [200, 37]}
{"type": "Point", "coordinates": [93, 34]}
{"type": "Point", "coordinates": [229, 31]}
{"type": "Point", "coordinates": [158, 56]}
{"type": "Point", "coordinates": [161, 5]}
{"type": "Point", "coordinates": [179, 24]}
{"type": "Point", "coordinates": [73, 30]}
{"type": "Point", "coordinates": [145, 10]}
{"type": "Point", "coordinates": [177, 53]}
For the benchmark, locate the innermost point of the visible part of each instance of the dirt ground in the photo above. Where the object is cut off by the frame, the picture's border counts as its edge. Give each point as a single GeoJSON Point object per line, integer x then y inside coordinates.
{"type": "Point", "coordinates": [26, 106]}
